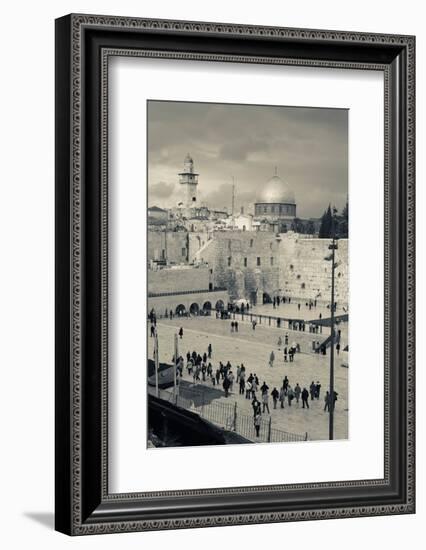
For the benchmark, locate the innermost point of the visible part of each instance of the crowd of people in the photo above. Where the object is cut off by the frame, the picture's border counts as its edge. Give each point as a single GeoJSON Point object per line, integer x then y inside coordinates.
{"type": "Point", "coordinates": [200, 368]}
{"type": "Point", "coordinates": [263, 397]}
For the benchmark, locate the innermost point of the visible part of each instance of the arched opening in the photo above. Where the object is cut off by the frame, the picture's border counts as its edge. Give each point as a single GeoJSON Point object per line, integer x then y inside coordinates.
{"type": "Point", "coordinates": [266, 298]}
{"type": "Point", "coordinates": [194, 309]}
{"type": "Point", "coordinates": [207, 307]}
{"type": "Point", "coordinates": [180, 310]}
{"type": "Point", "coordinates": [220, 306]}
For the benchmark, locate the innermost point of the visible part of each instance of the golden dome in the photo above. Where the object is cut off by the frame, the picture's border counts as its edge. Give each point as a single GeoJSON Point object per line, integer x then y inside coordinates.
{"type": "Point", "coordinates": [276, 191]}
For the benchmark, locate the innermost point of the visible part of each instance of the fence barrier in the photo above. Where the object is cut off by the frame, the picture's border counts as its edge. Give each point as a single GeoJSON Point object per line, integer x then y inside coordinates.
{"type": "Point", "coordinates": [227, 416]}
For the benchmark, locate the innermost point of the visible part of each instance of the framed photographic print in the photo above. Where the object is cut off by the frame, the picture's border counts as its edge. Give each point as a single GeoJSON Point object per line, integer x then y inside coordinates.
{"type": "Point", "coordinates": [234, 274]}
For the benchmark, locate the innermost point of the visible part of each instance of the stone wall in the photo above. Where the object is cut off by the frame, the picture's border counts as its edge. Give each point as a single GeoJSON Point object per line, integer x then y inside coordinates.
{"type": "Point", "coordinates": [306, 274]}
{"type": "Point", "coordinates": [258, 265]}
{"type": "Point", "coordinates": [178, 279]}
{"type": "Point", "coordinates": [253, 264]}
{"type": "Point", "coordinates": [246, 263]}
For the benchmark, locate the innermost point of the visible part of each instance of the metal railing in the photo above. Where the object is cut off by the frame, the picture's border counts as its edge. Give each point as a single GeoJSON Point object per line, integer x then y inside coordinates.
{"type": "Point", "coordinates": [228, 417]}
{"type": "Point", "coordinates": [185, 292]}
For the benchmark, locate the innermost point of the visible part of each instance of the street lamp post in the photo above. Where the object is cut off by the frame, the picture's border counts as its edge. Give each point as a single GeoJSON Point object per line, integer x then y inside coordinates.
{"type": "Point", "coordinates": [333, 248]}
{"type": "Point", "coordinates": [175, 367]}
{"type": "Point", "coordinates": [156, 361]}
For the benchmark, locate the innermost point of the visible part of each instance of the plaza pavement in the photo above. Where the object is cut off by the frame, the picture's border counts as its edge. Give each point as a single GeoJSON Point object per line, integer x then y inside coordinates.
{"type": "Point", "coordinates": [253, 348]}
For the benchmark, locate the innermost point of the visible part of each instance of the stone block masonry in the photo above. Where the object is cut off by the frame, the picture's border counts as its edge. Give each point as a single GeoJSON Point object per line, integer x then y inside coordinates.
{"type": "Point", "coordinates": [260, 265]}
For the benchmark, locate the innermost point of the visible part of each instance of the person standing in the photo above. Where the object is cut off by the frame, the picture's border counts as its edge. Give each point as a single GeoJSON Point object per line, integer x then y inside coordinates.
{"type": "Point", "coordinates": [226, 384]}
{"type": "Point", "coordinates": [305, 396]}
{"type": "Point", "coordinates": [275, 395]}
{"type": "Point", "coordinates": [312, 390]}
{"type": "Point", "coordinates": [248, 389]}
{"type": "Point", "coordinates": [317, 389]}
{"type": "Point", "coordinates": [290, 395]}
{"type": "Point", "coordinates": [285, 384]}
{"type": "Point", "coordinates": [297, 392]}
{"type": "Point", "coordinates": [282, 397]}
{"type": "Point", "coordinates": [236, 326]}
{"type": "Point", "coordinates": [338, 348]}
{"type": "Point", "coordinates": [286, 339]}
{"type": "Point", "coordinates": [231, 380]}
{"type": "Point", "coordinates": [181, 333]}
{"type": "Point", "coordinates": [272, 359]}
{"type": "Point", "coordinates": [265, 399]}
{"type": "Point", "coordinates": [257, 422]}
{"type": "Point", "coordinates": [242, 385]}
{"type": "Point", "coordinates": [327, 401]}
{"type": "Point", "coordinates": [254, 387]}
{"type": "Point", "coordinates": [209, 350]}
{"type": "Point", "coordinates": [280, 342]}
{"type": "Point", "coordinates": [285, 354]}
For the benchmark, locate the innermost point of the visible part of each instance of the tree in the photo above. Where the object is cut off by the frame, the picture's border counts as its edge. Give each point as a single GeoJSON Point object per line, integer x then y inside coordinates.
{"type": "Point", "coordinates": [326, 224]}
{"type": "Point", "coordinates": [344, 222]}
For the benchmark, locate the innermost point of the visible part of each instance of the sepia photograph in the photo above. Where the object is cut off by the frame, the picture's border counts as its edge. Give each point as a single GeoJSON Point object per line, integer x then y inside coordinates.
{"type": "Point", "coordinates": [247, 274]}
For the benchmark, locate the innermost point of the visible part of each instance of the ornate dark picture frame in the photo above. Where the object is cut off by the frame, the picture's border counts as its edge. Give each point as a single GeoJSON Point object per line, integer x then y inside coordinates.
{"type": "Point", "coordinates": [84, 44]}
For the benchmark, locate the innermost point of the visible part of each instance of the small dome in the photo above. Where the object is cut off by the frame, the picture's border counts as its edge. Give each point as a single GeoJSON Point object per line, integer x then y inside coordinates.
{"type": "Point", "coordinates": [276, 191]}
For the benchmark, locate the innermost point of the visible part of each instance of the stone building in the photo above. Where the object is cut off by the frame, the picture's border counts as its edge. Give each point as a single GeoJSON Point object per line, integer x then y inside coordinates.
{"type": "Point", "coordinates": [188, 181]}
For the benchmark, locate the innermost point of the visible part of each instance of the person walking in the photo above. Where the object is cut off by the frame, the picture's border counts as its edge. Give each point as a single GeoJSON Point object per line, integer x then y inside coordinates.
{"type": "Point", "coordinates": [280, 342]}
{"type": "Point", "coordinates": [181, 333]}
{"type": "Point", "coordinates": [256, 406]}
{"type": "Point", "coordinates": [209, 350]}
{"type": "Point", "coordinates": [248, 389]}
{"type": "Point", "coordinates": [275, 395]}
{"type": "Point", "coordinates": [305, 396]}
{"type": "Point", "coordinates": [264, 388]}
{"type": "Point", "coordinates": [232, 326]}
{"type": "Point", "coordinates": [338, 348]}
{"type": "Point", "coordinates": [286, 339]}
{"type": "Point", "coordinates": [236, 326]}
{"type": "Point", "coordinates": [285, 354]}
{"type": "Point", "coordinates": [272, 359]}
{"type": "Point", "coordinates": [297, 392]}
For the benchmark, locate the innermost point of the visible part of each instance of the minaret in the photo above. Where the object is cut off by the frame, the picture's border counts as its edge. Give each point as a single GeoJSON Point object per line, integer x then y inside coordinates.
{"type": "Point", "coordinates": [189, 179]}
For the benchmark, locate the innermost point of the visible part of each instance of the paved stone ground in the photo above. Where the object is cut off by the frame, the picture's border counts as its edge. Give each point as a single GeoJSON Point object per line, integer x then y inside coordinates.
{"type": "Point", "coordinates": [252, 348]}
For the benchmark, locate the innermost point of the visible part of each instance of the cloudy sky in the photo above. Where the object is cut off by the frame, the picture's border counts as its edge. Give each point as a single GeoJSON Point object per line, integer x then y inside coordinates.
{"type": "Point", "coordinates": [308, 146]}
